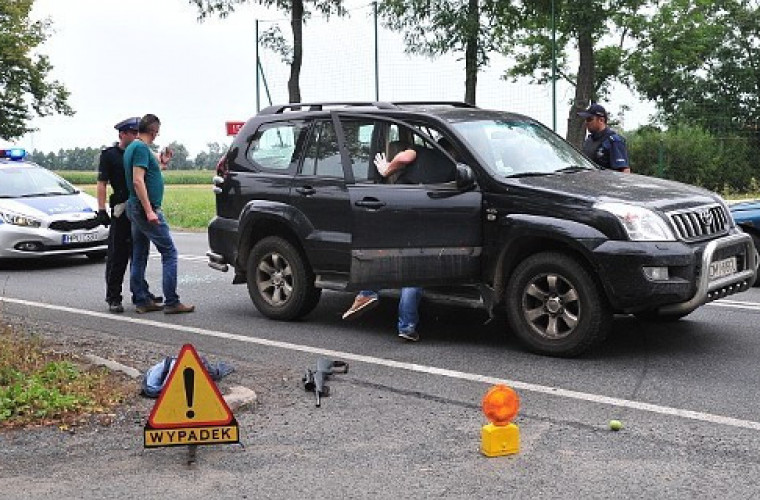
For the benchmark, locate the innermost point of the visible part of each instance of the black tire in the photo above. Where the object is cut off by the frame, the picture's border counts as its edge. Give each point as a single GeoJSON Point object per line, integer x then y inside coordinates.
{"type": "Point", "coordinates": [756, 241]}
{"type": "Point", "coordinates": [655, 317]}
{"type": "Point", "coordinates": [280, 281]}
{"type": "Point", "coordinates": [96, 256]}
{"type": "Point", "coordinates": [555, 307]}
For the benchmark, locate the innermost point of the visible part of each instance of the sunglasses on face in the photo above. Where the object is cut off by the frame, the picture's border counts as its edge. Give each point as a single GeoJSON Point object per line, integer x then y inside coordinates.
{"type": "Point", "coordinates": [590, 119]}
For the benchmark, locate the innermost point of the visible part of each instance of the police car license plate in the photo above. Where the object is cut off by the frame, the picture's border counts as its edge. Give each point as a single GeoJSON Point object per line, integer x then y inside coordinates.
{"type": "Point", "coordinates": [79, 238]}
{"type": "Point", "coordinates": [721, 268]}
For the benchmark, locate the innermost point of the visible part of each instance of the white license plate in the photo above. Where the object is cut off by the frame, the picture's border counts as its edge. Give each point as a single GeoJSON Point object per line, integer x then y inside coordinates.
{"type": "Point", "coordinates": [721, 268]}
{"type": "Point", "coordinates": [79, 238]}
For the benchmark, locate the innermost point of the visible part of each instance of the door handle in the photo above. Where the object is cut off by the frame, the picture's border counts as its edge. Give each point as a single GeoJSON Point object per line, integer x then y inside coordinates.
{"type": "Point", "coordinates": [306, 190]}
{"type": "Point", "coordinates": [370, 203]}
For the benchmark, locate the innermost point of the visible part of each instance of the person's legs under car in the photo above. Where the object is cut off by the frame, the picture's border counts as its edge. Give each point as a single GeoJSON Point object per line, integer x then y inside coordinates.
{"type": "Point", "coordinates": [408, 313]}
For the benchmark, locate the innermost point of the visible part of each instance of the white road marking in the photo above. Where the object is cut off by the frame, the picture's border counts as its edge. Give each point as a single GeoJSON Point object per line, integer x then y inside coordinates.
{"type": "Point", "coordinates": [736, 304]}
{"type": "Point", "coordinates": [192, 258]}
{"type": "Point", "coordinates": [413, 367]}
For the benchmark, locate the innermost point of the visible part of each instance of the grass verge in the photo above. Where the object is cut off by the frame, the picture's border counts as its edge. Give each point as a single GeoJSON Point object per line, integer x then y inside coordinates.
{"type": "Point", "coordinates": [189, 207]}
{"type": "Point", "coordinates": [41, 387]}
{"type": "Point", "coordinates": [78, 177]}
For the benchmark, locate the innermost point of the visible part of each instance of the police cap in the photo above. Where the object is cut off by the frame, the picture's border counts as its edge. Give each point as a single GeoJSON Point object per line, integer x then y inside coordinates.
{"type": "Point", "coordinates": [594, 110]}
{"type": "Point", "coordinates": [128, 124]}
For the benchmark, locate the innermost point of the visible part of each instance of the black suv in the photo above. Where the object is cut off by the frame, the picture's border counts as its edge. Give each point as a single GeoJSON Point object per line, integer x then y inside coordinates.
{"type": "Point", "coordinates": [501, 209]}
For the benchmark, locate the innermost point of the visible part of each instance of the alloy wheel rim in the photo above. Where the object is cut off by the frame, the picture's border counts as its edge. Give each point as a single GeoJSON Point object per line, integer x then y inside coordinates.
{"type": "Point", "coordinates": [274, 279]}
{"type": "Point", "coordinates": [551, 306]}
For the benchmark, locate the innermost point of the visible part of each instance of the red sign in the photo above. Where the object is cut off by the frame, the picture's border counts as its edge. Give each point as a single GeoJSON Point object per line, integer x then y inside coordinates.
{"type": "Point", "coordinates": [234, 127]}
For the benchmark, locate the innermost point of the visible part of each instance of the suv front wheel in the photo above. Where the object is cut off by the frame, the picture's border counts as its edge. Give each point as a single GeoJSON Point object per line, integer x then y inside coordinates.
{"type": "Point", "coordinates": [280, 282]}
{"type": "Point", "coordinates": [555, 307]}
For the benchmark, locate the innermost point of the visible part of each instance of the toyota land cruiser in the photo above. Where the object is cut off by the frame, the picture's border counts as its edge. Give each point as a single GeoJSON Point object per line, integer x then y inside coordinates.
{"type": "Point", "coordinates": [523, 220]}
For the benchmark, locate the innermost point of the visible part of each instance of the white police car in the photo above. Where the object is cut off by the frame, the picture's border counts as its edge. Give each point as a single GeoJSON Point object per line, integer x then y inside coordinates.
{"type": "Point", "coordinates": [42, 214]}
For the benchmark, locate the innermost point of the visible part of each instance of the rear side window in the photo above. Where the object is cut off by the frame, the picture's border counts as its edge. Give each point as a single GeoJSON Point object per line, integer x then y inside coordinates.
{"type": "Point", "coordinates": [274, 145]}
{"type": "Point", "coordinates": [359, 135]}
{"type": "Point", "coordinates": [322, 156]}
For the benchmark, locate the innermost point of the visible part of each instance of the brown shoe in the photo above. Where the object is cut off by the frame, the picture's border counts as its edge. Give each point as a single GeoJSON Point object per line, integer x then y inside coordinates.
{"type": "Point", "coordinates": [178, 308]}
{"type": "Point", "coordinates": [362, 304]}
{"type": "Point", "coordinates": [149, 307]}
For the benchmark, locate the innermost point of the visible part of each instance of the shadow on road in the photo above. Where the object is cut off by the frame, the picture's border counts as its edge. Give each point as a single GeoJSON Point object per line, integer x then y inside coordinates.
{"type": "Point", "coordinates": [23, 265]}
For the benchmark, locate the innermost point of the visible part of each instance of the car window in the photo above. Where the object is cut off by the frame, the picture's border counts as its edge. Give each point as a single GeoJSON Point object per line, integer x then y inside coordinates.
{"type": "Point", "coordinates": [366, 138]}
{"type": "Point", "coordinates": [28, 182]}
{"type": "Point", "coordinates": [273, 146]}
{"type": "Point", "coordinates": [359, 135]}
{"type": "Point", "coordinates": [520, 147]}
{"type": "Point", "coordinates": [322, 156]}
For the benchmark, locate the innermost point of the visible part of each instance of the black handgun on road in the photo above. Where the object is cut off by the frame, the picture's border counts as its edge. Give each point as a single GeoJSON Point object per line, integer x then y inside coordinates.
{"type": "Point", "coordinates": [315, 380]}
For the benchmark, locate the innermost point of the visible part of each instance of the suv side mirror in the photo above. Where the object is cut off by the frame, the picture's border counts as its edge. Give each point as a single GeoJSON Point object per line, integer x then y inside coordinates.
{"type": "Point", "coordinates": [465, 177]}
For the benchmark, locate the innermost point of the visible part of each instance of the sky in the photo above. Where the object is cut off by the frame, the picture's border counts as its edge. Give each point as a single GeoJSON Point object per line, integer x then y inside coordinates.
{"type": "Point", "coordinates": [120, 59]}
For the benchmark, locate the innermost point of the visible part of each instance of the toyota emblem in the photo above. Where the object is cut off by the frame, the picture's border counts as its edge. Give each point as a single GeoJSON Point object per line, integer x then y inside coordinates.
{"type": "Point", "coordinates": [706, 217]}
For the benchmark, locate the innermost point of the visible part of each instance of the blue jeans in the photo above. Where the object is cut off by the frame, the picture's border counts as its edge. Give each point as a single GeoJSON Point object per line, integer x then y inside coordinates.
{"type": "Point", "coordinates": [143, 233]}
{"type": "Point", "coordinates": [408, 308]}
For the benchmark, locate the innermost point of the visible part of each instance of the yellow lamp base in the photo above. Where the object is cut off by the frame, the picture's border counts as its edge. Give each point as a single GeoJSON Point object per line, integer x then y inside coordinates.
{"type": "Point", "coordinates": [499, 440]}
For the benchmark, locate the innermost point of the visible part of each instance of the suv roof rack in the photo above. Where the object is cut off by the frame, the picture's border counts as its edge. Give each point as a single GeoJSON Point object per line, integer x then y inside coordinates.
{"type": "Point", "coordinates": [320, 106]}
{"type": "Point", "coordinates": [454, 104]}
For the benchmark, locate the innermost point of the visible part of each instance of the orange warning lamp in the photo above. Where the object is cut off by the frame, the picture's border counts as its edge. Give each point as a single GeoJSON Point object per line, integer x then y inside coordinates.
{"type": "Point", "coordinates": [500, 404]}
{"type": "Point", "coordinates": [500, 436]}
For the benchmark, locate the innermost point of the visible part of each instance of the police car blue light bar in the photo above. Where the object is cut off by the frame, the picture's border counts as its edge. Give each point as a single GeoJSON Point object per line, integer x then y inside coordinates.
{"type": "Point", "coordinates": [13, 153]}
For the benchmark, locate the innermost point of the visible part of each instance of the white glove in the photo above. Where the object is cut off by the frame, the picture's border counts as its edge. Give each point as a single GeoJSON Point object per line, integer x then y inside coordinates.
{"type": "Point", "coordinates": [382, 164]}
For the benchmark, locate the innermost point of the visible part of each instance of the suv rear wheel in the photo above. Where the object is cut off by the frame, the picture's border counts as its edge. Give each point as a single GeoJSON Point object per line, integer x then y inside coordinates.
{"type": "Point", "coordinates": [280, 281]}
{"type": "Point", "coordinates": [555, 307]}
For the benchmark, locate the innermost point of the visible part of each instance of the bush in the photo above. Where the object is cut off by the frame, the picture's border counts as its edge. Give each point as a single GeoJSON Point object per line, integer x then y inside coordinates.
{"type": "Point", "coordinates": [695, 156]}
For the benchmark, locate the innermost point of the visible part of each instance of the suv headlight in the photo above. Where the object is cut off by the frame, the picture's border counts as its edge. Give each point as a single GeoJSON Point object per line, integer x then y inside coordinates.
{"type": "Point", "coordinates": [19, 219]}
{"type": "Point", "coordinates": [640, 223]}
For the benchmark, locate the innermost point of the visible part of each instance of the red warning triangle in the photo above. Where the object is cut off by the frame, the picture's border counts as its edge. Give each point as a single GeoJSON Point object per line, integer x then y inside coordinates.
{"type": "Point", "coordinates": [189, 398]}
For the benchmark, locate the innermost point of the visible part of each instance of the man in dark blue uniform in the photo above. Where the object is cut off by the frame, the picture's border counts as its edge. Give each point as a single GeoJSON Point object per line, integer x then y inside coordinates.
{"type": "Point", "coordinates": [111, 170]}
{"type": "Point", "coordinates": [603, 145]}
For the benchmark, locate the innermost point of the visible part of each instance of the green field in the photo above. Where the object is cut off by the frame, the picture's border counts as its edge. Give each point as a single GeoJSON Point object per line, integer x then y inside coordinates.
{"type": "Point", "coordinates": [83, 177]}
{"type": "Point", "coordinates": [185, 206]}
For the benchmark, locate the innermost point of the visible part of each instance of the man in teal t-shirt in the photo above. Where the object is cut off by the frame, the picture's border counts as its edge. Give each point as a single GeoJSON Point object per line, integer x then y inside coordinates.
{"type": "Point", "coordinates": [138, 154]}
{"type": "Point", "coordinates": [146, 193]}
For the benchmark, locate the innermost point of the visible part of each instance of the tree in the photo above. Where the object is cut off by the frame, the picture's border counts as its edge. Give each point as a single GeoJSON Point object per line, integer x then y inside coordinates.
{"type": "Point", "coordinates": [298, 16]}
{"type": "Point", "coordinates": [463, 26]}
{"type": "Point", "coordinates": [209, 158]}
{"type": "Point", "coordinates": [597, 31]}
{"type": "Point", "coordinates": [25, 89]}
{"type": "Point", "coordinates": [700, 62]}
{"type": "Point", "coordinates": [180, 158]}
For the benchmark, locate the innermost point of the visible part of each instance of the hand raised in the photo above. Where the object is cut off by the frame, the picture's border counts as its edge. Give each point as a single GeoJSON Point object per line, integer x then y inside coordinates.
{"type": "Point", "coordinates": [382, 164]}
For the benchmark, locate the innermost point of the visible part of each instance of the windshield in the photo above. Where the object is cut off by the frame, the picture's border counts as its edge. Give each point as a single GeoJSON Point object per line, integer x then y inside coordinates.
{"type": "Point", "coordinates": [519, 148]}
{"type": "Point", "coordinates": [19, 182]}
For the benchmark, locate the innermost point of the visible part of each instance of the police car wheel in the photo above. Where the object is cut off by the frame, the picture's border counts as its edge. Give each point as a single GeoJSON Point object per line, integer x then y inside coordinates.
{"type": "Point", "coordinates": [756, 241]}
{"type": "Point", "coordinates": [555, 307]}
{"type": "Point", "coordinates": [280, 281]}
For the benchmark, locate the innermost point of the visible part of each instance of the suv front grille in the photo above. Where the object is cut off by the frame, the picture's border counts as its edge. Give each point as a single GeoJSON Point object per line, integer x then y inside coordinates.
{"type": "Point", "coordinates": [700, 223]}
{"type": "Point", "coordinates": [71, 225]}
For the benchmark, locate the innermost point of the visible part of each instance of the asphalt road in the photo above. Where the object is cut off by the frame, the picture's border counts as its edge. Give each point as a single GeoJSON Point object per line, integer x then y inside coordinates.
{"type": "Point", "coordinates": [405, 421]}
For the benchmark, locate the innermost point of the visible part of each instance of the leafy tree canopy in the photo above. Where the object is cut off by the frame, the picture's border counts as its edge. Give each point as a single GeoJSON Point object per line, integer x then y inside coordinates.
{"type": "Point", "coordinates": [592, 43]}
{"type": "Point", "coordinates": [25, 88]}
{"type": "Point", "coordinates": [699, 60]}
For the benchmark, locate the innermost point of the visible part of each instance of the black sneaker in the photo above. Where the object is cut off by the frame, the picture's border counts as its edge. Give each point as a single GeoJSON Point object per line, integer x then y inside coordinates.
{"type": "Point", "coordinates": [115, 307]}
{"type": "Point", "coordinates": [410, 336]}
